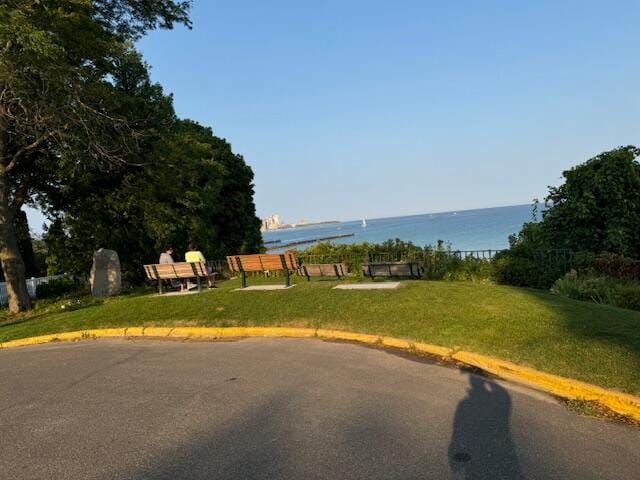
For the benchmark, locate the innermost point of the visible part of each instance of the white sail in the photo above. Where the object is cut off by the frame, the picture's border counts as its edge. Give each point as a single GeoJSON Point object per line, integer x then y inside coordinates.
{"type": "Point", "coordinates": [364, 223]}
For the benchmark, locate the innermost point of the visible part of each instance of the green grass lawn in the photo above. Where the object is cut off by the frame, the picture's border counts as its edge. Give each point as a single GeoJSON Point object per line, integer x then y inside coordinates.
{"type": "Point", "coordinates": [595, 343]}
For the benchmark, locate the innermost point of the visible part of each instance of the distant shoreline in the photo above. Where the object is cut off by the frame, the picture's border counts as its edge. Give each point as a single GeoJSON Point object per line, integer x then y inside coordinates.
{"type": "Point", "coordinates": [476, 229]}
{"type": "Point", "coordinates": [288, 226]}
{"type": "Point", "coordinates": [542, 207]}
{"type": "Point", "coordinates": [278, 245]}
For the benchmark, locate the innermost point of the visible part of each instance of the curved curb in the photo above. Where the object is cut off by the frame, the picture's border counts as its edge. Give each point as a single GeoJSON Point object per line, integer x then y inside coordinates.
{"type": "Point", "coordinates": [621, 403]}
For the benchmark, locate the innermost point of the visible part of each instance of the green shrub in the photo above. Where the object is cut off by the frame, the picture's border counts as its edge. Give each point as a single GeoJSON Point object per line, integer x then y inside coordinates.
{"type": "Point", "coordinates": [526, 271]}
{"type": "Point", "coordinates": [621, 293]}
{"type": "Point", "coordinates": [441, 265]}
{"type": "Point", "coordinates": [626, 295]}
{"type": "Point", "coordinates": [440, 262]}
{"type": "Point", "coordinates": [57, 288]}
{"type": "Point", "coordinates": [567, 286]}
{"type": "Point", "coordinates": [530, 262]}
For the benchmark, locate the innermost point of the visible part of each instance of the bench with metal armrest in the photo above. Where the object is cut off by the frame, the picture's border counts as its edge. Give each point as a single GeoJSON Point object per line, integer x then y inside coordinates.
{"type": "Point", "coordinates": [178, 271]}
{"type": "Point", "coordinates": [393, 269]}
{"type": "Point", "coordinates": [268, 262]}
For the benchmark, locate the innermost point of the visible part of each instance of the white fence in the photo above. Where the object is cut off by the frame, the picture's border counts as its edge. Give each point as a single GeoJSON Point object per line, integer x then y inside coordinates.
{"type": "Point", "coordinates": [32, 284]}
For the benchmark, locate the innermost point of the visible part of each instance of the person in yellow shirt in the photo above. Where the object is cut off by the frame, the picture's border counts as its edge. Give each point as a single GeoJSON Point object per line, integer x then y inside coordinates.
{"type": "Point", "coordinates": [195, 255]}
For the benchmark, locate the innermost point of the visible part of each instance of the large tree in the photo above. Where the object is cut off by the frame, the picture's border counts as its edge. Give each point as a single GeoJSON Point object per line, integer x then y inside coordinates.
{"type": "Point", "coordinates": [597, 208]}
{"type": "Point", "coordinates": [183, 184]}
{"type": "Point", "coordinates": [57, 59]}
{"type": "Point", "coordinates": [595, 211]}
{"type": "Point", "coordinates": [194, 188]}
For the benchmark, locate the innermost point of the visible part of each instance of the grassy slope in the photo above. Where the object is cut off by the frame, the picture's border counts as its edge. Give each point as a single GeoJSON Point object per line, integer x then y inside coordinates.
{"type": "Point", "coordinates": [594, 343]}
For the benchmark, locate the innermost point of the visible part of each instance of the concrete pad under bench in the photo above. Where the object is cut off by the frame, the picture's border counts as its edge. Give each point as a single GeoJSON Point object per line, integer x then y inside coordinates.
{"type": "Point", "coordinates": [264, 287]}
{"type": "Point", "coordinates": [367, 286]}
{"type": "Point", "coordinates": [177, 293]}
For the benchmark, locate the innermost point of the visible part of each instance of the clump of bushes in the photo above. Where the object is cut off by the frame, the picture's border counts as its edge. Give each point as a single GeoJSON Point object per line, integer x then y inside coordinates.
{"type": "Point", "coordinates": [619, 292]}
{"type": "Point", "coordinates": [355, 254]}
{"type": "Point", "coordinates": [536, 271]}
{"type": "Point", "coordinates": [444, 264]}
{"type": "Point", "coordinates": [529, 262]}
{"type": "Point", "coordinates": [57, 288]}
{"type": "Point", "coordinates": [440, 262]}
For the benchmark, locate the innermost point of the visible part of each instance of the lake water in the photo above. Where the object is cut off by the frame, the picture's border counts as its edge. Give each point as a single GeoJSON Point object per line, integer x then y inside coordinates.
{"type": "Point", "coordinates": [482, 229]}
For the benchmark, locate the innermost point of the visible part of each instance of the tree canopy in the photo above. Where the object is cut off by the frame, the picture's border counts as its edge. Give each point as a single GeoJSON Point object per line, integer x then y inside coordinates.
{"type": "Point", "coordinates": [595, 211]}
{"type": "Point", "coordinates": [86, 136]}
{"type": "Point", "coordinates": [597, 208]}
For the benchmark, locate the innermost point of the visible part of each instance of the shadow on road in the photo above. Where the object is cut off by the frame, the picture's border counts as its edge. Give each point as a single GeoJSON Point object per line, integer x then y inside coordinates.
{"type": "Point", "coordinates": [481, 445]}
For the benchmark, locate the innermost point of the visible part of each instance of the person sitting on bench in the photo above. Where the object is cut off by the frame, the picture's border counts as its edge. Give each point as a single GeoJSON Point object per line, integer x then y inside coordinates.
{"type": "Point", "coordinates": [166, 257]}
{"type": "Point", "coordinates": [193, 256]}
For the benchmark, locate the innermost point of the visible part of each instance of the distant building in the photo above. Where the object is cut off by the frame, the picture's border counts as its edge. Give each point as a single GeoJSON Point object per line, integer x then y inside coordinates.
{"type": "Point", "coordinates": [271, 223]}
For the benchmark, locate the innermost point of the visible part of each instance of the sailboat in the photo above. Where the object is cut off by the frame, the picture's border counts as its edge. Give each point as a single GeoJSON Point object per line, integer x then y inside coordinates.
{"type": "Point", "coordinates": [364, 223]}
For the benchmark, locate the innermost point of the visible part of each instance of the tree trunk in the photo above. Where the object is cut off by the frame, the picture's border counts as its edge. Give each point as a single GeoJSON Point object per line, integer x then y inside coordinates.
{"type": "Point", "coordinates": [12, 264]}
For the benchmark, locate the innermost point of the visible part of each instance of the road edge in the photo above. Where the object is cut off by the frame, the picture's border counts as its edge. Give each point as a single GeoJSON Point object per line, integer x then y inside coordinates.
{"type": "Point", "coordinates": [621, 403]}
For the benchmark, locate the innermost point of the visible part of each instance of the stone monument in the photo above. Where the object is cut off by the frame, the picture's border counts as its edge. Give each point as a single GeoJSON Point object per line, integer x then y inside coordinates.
{"type": "Point", "coordinates": [105, 278]}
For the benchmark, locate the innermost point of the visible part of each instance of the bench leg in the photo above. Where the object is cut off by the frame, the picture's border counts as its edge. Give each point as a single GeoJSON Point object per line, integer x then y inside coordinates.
{"type": "Point", "coordinates": [160, 286]}
{"type": "Point", "coordinates": [244, 279]}
{"type": "Point", "coordinates": [199, 284]}
{"type": "Point", "coordinates": [287, 280]}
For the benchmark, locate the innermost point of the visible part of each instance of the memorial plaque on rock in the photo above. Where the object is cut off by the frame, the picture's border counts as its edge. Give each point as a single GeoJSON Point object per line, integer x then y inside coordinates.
{"type": "Point", "coordinates": [105, 278]}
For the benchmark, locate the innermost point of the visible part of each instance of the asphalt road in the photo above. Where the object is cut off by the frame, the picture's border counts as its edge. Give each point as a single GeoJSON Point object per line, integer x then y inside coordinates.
{"type": "Point", "coordinates": [283, 409]}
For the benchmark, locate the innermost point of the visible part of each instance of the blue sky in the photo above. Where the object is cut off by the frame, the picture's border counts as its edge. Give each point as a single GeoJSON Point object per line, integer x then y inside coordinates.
{"type": "Point", "coordinates": [349, 109]}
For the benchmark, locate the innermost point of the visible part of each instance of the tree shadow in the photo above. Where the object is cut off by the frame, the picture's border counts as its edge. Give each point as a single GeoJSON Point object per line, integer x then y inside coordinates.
{"type": "Point", "coordinates": [249, 447]}
{"type": "Point", "coordinates": [613, 333]}
{"type": "Point", "coordinates": [481, 445]}
{"type": "Point", "coordinates": [272, 441]}
{"type": "Point", "coordinates": [47, 310]}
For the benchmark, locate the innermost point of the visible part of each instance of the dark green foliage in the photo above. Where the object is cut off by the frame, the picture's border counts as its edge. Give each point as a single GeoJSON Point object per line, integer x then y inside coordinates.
{"type": "Point", "coordinates": [440, 263]}
{"type": "Point", "coordinates": [597, 209]}
{"type": "Point", "coordinates": [59, 105]}
{"type": "Point", "coordinates": [621, 293]}
{"type": "Point", "coordinates": [355, 254]}
{"type": "Point", "coordinates": [530, 262]}
{"type": "Point", "coordinates": [25, 245]}
{"type": "Point", "coordinates": [206, 196]}
{"type": "Point", "coordinates": [57, 288]}
{"type": "Point", "coordinates": [40, 253]}
{"type": "Point", "coordinates": [184, 185]}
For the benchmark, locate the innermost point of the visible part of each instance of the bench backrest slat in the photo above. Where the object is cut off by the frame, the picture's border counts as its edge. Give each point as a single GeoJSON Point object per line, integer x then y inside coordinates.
{"type": "Point", "coordinates": [151, 274]}
{"type": "Point", "coordinates": [393, 269]}
{"type": "Point", "coordinates": [325, 269]}
{"type": "Point", "coordinates": [262, 262]}
{"type": "Point", "coordinates": [180, 270]}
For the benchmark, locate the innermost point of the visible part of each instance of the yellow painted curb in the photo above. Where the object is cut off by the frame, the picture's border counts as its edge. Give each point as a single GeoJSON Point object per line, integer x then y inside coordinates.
{"type": "Point", "coordinates": [564, 387]}
{"type": "Point", "coordinates": [350, 336]}
{"type": "Point", "coordinates": [432, 349]}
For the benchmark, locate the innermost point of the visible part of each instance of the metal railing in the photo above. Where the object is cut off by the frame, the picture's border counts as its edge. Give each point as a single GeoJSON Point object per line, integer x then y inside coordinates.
{"type": "Point", "coordinates": [399, 256]}
{"type": "Point", "coordinates": [431, 258]}
{"type": "Point", "coordinates": [32, 285]}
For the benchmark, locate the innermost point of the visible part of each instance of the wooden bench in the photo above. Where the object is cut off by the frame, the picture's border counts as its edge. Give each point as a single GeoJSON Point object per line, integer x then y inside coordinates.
{"type": "Point", "coordinates": [393, 269]}
{"type": "Point", "coordinates": [323, 270]}
{"type": "Point", "coordinates": [177, 271]}
{"type": "Point", "coordinates": [243, 264]}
